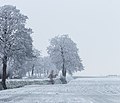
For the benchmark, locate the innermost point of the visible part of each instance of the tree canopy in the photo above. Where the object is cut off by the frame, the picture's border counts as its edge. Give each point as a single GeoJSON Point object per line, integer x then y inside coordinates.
{"type": "Point", "coordinates": [15, 39]}
{"type": "Point", "coordinates": [64, 54]}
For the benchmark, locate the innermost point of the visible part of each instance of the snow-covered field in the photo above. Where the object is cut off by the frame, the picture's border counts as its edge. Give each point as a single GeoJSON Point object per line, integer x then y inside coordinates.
{"type": "Point", "coordinates": [82, 90]}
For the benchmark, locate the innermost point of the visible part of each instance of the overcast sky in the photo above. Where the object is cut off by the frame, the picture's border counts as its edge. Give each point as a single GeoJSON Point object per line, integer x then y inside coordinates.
{"type": "Point", "coordinates": [93, 24]}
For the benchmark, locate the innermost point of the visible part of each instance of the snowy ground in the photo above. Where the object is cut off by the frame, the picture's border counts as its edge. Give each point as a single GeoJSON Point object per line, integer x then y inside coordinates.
{"type": "Point", "coordinates": [84, 90]}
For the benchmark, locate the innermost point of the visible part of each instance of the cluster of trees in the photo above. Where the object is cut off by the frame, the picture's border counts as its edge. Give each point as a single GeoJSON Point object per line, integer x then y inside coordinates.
{"type": "Point", "coordinates": [18, 58]}
{"type": "Point", "coordinates": [39, 67]}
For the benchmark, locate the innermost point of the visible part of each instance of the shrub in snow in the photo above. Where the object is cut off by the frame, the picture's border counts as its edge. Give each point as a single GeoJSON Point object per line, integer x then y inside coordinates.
{"type": "Point", "coordinates": [69, 78]}
{"type": "Point", "coordinates": [16, 83]}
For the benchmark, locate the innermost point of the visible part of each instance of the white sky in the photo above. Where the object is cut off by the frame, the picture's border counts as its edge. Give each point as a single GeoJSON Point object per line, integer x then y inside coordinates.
{"type": "Point", "coordinates": [93, 24]}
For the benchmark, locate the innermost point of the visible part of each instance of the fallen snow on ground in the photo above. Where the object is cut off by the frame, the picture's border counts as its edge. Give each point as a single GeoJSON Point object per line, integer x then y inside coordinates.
{"type": "Point", "coordinates": [16, 83]}
{"type": "Point", "coordinates": [82, 90]}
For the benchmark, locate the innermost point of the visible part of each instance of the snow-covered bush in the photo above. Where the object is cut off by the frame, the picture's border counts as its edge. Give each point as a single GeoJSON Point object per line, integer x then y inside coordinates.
{"type": "Point", "coordinates": [16, 83]}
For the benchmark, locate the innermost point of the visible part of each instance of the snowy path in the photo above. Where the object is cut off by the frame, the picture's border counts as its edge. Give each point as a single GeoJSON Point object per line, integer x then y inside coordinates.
{"type": "Point", "coordinates": [77, 91]}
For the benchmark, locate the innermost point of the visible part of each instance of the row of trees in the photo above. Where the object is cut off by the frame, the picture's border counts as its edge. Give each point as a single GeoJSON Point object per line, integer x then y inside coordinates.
{"type": "Point", "coordinates": [17, 56]}
{"type": "Point", "coordinates": [36, 67]}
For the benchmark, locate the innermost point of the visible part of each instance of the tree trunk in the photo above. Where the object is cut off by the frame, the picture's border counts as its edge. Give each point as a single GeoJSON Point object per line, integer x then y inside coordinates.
{"type": "Point", "coordinates": [40, 73]}
{"type": "Point", "coordinates": [4, 72]}
{"type": "Point", "coordinates": [63, 79]}
{"type": "Point", "coordinates": [64, 72]}
{"type": "Point", "coordinates": [33, 70]}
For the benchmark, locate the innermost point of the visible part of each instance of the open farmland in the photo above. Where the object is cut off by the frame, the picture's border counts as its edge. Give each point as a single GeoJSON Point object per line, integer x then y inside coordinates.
{"type": "Point", "coordinates": [81, 90]}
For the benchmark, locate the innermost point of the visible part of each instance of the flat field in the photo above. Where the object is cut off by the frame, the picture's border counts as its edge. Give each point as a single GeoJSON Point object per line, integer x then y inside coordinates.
{"type": "Point", "coordinates": [81, 90]}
